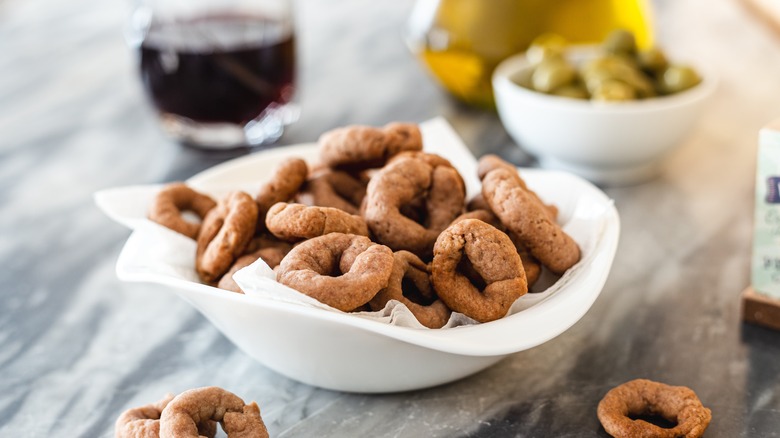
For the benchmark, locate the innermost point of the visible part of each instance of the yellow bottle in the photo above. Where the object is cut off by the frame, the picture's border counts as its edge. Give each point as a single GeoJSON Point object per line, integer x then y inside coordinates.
{"type": "Point", "coordinates": [462, 41]}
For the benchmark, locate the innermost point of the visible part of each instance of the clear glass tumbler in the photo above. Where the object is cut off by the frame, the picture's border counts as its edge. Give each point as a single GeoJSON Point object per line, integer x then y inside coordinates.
{"type": "Point", "coordinates": [220, 73]}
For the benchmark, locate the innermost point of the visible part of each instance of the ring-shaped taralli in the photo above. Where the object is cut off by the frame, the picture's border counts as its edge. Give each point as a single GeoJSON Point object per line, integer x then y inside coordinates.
{"type": "Point", "coordinates": [335, 189]}
{"type": "Point", "coordinates": [407, 181]}
{"type": "Point", "coordinates": [287, 178]}
{"type": "Point", "coordinates": [175, 198]}
{"type": "Point", "coordinates": [144, 422]}
{"type": "Point", "coordinates": [343, 271]}
{"type": "Point", "coordinates": [529, 221]}
{"type": "Point", "coordinates": [493, 257]}
{"type": "Point", "coordinates": [406, 265]}
{"type": "Point", "coordinates": [491, 162]}
{"type": "Point", "coordinates": [272, 256]}
{"type": "Point", "coordinates": [224, 235]}
{"type": "Point", "coordinates": [179, 419]}
{"type": "Point", "coordinates": [677, 404]}
{"type": "Point", "coordinates": [294, 222]}
{"type": "Point", "coordinates": [366, 147]}
{"type": "Point", "coordinates": [531, 266]}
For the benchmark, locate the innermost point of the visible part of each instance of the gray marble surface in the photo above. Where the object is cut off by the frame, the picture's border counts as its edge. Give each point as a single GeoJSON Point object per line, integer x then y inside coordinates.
{"type": "Point", "coordinates": [77, 346]}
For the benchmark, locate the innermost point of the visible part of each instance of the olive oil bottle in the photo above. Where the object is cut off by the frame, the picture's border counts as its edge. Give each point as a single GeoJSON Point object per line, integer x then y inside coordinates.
{"type": "Point", "coordinates": [462, 41]}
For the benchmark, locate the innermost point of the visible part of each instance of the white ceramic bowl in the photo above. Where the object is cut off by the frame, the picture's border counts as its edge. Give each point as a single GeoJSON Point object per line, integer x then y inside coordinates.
{"type": "Point", "coordinates": [609, 143]}
{"type": "Point", "coordinates": [345, 352]}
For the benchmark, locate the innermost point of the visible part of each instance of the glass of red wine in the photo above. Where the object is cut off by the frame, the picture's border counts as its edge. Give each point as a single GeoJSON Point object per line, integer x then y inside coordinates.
{"type": "Point", "coordinates": [220, 73]}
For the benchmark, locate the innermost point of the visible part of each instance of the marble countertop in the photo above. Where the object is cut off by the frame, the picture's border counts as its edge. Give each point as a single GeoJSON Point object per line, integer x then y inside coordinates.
{"type": "Point", "coordinates": [77, 346]}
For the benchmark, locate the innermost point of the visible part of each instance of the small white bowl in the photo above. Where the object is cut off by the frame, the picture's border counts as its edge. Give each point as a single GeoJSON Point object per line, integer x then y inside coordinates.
{"type": "Point", "coordinates": [345, 352]}
{"type": "Point", "coordinates": [607, 143]}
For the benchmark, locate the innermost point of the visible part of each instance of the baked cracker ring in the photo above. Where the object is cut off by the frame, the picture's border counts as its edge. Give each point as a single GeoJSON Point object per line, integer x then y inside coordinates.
{"type": "Point", "coordinates": [531, 266]}
{"type": "Point", "coordinates": [406, 265]}
{"type": "Point", "coordinates": [365, 147]}
{"type": "Point", "coordinates": [175, 198]}
{"type": "Point", "coordinates": [144, 422]}
{"type": "Point", "coordinates": [294, 222]}
{"type": "Point", "coordinates": [271, 256]}
{"type": "Point", "coordinates": [333, 188]}
{"type": "Point", "coordinates": [225, 232]}
{"type": "Point", "coordinates": [403, 183]}
{"type": "Point", "coordinates": [288, 177]}
{"type": "Point", "coordinates": [492, 255]}
{"type": "Point", "coordinates": [343, 271]}
{"type": "Point", "coordinates": [677, 404]}
{"type": "Point", "coordinates": [238, 420]}
{"type": "Point", "coordinates": [491, 162]}
{"type": "Point", "coordinates": [528, 220]}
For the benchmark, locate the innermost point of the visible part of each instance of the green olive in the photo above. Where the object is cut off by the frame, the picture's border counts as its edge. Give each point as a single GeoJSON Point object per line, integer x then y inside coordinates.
{"type": "Point", "coordinates": [523, 78]}
{"type": "Point", "coordinates": [545, 47]}
{"type": "Point", "coordinates": [551, 74]}
{"type": "Point", "coordinates": [620, 42]}
{"type": "Point", "coordinates": [677, 78]}
{"type": "Point", "coordinates": [574, 91]}
{"type": "Point", "coordinates": [652, 60]}
{"type": "Point", "coordinates": [613, 91]}
{"type": "Point", "coordinates": [612, 67]}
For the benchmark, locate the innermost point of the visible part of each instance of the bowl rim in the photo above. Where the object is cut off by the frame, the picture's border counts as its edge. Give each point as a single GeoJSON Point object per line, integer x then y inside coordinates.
{"type": "Point", "coordinates": [496, 338]}
{"type": "Point", "coordinates": [503, 84]}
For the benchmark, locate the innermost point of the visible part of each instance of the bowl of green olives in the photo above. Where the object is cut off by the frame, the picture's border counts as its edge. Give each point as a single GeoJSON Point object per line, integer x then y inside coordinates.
{"type": "Point", "coordinates": [609, 113]}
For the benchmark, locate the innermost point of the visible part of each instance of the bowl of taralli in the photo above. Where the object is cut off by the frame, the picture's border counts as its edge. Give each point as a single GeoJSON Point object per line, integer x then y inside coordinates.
{"type": "Point", "coordinates": [377, 259]}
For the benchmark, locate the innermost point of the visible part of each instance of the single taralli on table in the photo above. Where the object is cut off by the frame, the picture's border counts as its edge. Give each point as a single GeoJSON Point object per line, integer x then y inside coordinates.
{"type": "Point", "coordinates": [678, 405]}
{"type": "Point", "coordinates": [192, 414]}
{"type": "Point", "coordinates": [378, 220]}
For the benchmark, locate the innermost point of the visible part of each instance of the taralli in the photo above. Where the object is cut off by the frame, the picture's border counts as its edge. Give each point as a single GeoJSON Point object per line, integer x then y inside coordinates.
{"type": "Point", "coordinates": [179, 419]}
{"type": "Point", "coordinates": [486, 216]}
{"type": "Point", "coordinates": [333, 188]}
{"type": "Point", "coordinates": [226, 231]}
{"type": "Point", "coordinates": [343, 271]}
{"type": "Point", "coordinates": [144, 422]}
{"type": "Point", "coordinates": [491, 162]}
{"type": "Point", "coordinates": [529, 221]}
{"type": "Point", "coordinates": [295, 222]}
{"type": "Point", "coordinates": [174, 199]}
{"type": "Point", "coordinates": [492, 256]}
{"type": "Point", "coordinates": [402, 183]}
{"type": "Point", "coordinates": [532, 267]}
{"type": "Point", "coordinates": [429, 311]}
{"type": "Point", "coordinates": [287, 178]}
{"type": "Point", "coordinates": [271, 256]}
{"type": "Point", "coordinates": [365, 147]}
{"type": "Point", "coordinates": [677, 404]}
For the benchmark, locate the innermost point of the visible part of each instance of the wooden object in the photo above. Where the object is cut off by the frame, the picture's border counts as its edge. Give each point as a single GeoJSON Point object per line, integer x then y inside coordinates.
{"type": "Point", "coordinates": [760, 309]}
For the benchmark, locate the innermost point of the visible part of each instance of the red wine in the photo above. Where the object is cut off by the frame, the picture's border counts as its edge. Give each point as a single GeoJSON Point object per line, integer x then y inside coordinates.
{"type": "Point", "coordinates": [218, 68]}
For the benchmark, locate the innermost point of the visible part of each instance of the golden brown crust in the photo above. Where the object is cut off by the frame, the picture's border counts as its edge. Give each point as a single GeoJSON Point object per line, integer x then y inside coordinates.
{"type": "Point", "coordinates": [294, 222]}
{"type": "Point", "coordinates": [491, 162]}
{"type": "Point", "coordinates": [406, 265]}
{"type": "Point", "coordinates": [175, 198]}
{"type": "Point", "coordinates": [343, 271]}
{"type": "Point", "coordinates": [677, 404]}
{"type": "Point", "coordinates": [336, 189]}
{"type": "Point", "coordinates": [412, 182]}
{"type": "Point", "coordinates": [179, 418]}
{"type": "Point", "coordinates": [144, 422]}
{"type": "Point", "coordinates": [225, 233]}
{"type": "Point", "coordinates": [272, 256]}
{"type": "Point", "coordinates": [287, 178]}
{"type": "Point", "coordinates": [528, 220]}
{"type": "Point", "coordinates": [492, 256]}
{"type": "Point", "coordinates": [365, 147]}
